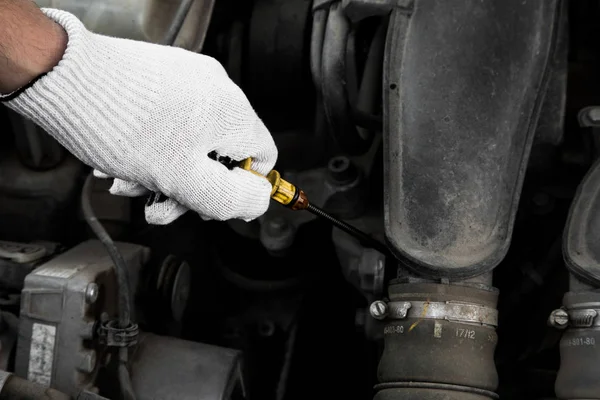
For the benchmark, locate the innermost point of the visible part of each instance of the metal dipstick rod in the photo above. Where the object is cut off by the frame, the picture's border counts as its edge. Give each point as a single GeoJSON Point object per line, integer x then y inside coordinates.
{"type": "Point", "coordinates": [363, 237]}
{"type": "Point", "coordinates": [294, 198]}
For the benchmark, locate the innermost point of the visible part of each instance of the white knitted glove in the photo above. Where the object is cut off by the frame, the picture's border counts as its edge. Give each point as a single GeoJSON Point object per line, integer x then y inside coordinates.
{"type": "Point", "coordinates": [149, 115]}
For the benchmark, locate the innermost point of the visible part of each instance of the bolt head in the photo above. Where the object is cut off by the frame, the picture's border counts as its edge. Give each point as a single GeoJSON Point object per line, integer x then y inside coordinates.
{"type": "Point", "coordinates": [342, 170]}
{"type": "Point", "coordinates": [559, 318]}
{"type": "Point", "coordinates": [594, 114]}
{"type": "Point", "coordinates": [379, 310]}
{"type": "Point", "coordinates": [91, 293]}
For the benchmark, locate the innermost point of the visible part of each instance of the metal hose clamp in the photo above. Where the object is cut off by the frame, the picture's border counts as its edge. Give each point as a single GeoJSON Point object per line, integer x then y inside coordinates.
{"type": "Point", "coordinates": [113, 336]}
{"type": "Point", "coordinates": [444, 310]}
{"type": "Point", "coordinates": [584, 315]}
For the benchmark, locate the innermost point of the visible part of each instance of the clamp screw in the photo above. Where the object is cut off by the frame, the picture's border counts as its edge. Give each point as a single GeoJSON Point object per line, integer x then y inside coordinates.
{"type": "Point", "coordinates": [594, 114]}
{"type": "Point", "coordinates": [558, 319]}
{"type": "Point", "coordinates": [379, 309]}
{"type": "Point", "coordinates": [91, 293]}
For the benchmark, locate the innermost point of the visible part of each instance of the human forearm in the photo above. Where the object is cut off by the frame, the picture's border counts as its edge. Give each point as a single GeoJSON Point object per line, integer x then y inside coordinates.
{"type": "Point", "coordinates": [30, 44]}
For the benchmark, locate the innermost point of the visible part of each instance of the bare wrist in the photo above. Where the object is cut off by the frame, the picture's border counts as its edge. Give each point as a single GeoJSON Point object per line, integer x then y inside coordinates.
{"type": "Point", "coordinates": [33, 46]}
{"type": "Point", "coordinates": [55, 49]}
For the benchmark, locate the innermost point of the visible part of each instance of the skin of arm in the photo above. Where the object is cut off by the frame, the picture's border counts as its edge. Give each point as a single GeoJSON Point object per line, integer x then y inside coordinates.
{"type": "Point", "coordinates": [31, 44]}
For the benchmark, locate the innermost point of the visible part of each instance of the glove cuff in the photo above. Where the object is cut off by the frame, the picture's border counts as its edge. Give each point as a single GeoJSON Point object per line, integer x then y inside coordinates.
{"type": "Point", "coordinates": [96, 83]}
{"type": "Point", "coordinates": [63, 19]}
{"type": "Point", "coordinates": [72, 27]}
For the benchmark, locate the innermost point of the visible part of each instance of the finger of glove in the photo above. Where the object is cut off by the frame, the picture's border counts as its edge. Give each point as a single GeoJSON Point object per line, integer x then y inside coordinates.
{"type": "Point", "coordinates": [264, 160]}
{"type": "Point", "coordinates": [226, 194]}
{"type": "Point", "coordinates": [244, 135]}
{"type": "Point", "coordinates": [164, 213]}
{"type": "Point", "coordinates": [100, 174]}
{"type": "Point", "coordinates": [255, 142]}
{"type": "Point", "coordinates": [127, 189]}
{"type": "Point", "coordinates": [121, 187]}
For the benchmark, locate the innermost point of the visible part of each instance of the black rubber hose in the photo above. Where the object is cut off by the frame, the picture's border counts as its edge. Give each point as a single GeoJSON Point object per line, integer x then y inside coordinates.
{"type": "Point", "coordinates": [124, 295]}
{"type": "Point", "coordinates": [115, 255]}
{"type": "Point", "coordinates": [124, 377]}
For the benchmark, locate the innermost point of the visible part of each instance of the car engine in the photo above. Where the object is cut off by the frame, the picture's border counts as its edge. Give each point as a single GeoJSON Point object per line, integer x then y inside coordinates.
{"type": "Point", "coordinates": [459, 138]}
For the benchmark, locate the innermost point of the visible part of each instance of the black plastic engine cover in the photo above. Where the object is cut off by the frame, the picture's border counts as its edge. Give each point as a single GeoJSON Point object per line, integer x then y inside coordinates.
{"type": "Point", "coordinates": [581, 239]}
{"type": "Point", "coordinates": [464, 82]}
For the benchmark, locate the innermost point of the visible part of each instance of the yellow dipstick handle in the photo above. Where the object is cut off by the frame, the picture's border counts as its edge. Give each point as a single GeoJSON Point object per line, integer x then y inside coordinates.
{"type": "Point", "coordinates": [283, 191]}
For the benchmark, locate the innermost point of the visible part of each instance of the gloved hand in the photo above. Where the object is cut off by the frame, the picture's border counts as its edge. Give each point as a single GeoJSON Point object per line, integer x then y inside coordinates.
{"type": "Point", "coordinates": [148, 116]}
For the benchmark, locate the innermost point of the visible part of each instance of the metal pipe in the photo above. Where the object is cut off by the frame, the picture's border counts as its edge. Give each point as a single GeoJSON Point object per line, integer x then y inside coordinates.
{"type": "Point", "coordinates": [334, 83]}
{"type": "Point", "coordinates": [177, 22]}
{"type": "Point", "coordinates": [124, 296]}
{"type": "Point", "coordinates": [316, 45]}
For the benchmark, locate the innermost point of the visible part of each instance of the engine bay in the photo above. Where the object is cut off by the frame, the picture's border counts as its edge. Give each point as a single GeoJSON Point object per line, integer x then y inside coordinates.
{"type": "Point", "coordinates": [460, 137]}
